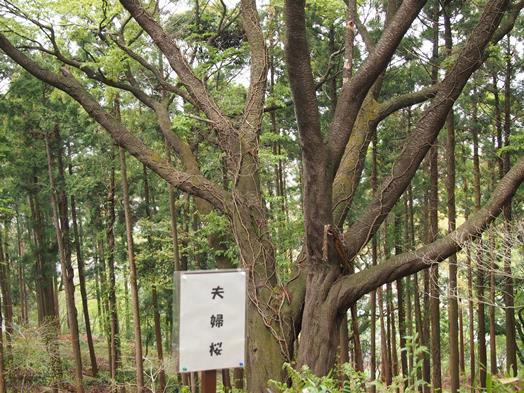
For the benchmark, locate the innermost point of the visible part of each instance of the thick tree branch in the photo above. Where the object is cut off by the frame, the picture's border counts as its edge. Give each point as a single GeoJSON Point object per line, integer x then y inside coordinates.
{"type": "Point", "coordinates": [508, 22]}
{"type": "Point", "coordinates": [195, 185]}
{"type": "Point", "coordinates": [350, 288]}
{"type": "Point", "coordinates": [394, 104]}
{"type": "Point", "coordinates": [317, 184]}
{"type": "Point", "coordinates": [427, 129]}
{"type": "Point", "coordinates": [353, 93]}
{"type": "Point", "coordinates": [196, 88]}
{"type": "Point", "coordinates": [254, 107]}
{"type": "Point", "coordinates": [301, 79]}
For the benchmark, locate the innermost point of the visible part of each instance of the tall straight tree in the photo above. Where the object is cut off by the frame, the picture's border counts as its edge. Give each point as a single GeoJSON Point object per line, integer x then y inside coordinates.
{"type": "Point", "coordinates": [81, 276]}
{"type": "Point", "coordinates": [436, 367]}
{"type": "Point", "coordinates": [480, 257]}
{"type": "Point", "coordinates": [454, 370]}
{"type": "Point", "coordinates": [509, 299]}
{"type": "Point", "coordinates": [59, 205]}
{"type": "Point", "coordinates": [154, 293]}
{"type": "Point", "coordinates": [5, 283]}
{"type": "Point", "coordinates": [2, 363]}
{"type": "Point", "coordinates": [135, 304]}
{"type": "Point", "coordinates": [114, 329]}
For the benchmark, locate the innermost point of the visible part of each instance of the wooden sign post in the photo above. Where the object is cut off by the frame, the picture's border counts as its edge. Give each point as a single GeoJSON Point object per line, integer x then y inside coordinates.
{"type": "Point", "coordinates": [209, 381]}
{"type": "Point", "coordinates": [209, 323]}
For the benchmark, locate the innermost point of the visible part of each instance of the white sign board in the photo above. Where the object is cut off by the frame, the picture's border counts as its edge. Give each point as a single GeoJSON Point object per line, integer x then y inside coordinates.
{"type": "Point", "coordinates": [212, 319]}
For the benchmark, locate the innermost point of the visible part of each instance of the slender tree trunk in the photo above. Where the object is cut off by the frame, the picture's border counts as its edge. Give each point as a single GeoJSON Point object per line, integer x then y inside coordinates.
{"type": "Point", "coordinates": [400, 302]}
{"type": "Point", "coordinates": [5, 281]}
{"type": "Point", "coordinates": [2, 366]}
{"type": "Point", "coordinates": [509, 300]}
{"type": "Point", "coordinates": [392, 332]}
{"type": "Point", "coordinates": [81, 278]}
{"type": "Point", "coordinates": [24, 315]}
{"type": "Point", "coordinates": [436, 367]}
{"type": "Point", "coordinates": [492, 334]}
{"type": "Point", "coordinates": [47, 313]}
{"type": "Point", "coordinates": [426, 321]}
{"type": "Point", "coordinates": [357, 346]}
{"type": "Point", "coordinates": [61, 221]}
{"type": "Point", "coordinates": [462, 343]}
{"type": "Point", "coordinates": [409, 304]}
{"type": "Point", "coordinates": [384, 358]}
{"type": "Point", "coordinates": [373, 317]}
{"type": "Point", "coordinates": [481, 331]}
{"type": "Point", "coordinates": [343, 345]}
{"type": "Point", "coordinates": [113, 307]}
{"type": "Point", "coordinates": [98, 288]}
{"type": "Point", "coordinates": [156, 311]}
{"type": "Point", "coordinates": [390, 314]}
{"type": "Point", "coordinates": [173, 217]}
{"type": "Point", "coordinates": [127, 313]}
{"type": "Point", "coordinates": [374, 261]}
{"type": "Point", "coordinates": [454, 371]}
{"type": "Point", "coordinates": [135, 305]}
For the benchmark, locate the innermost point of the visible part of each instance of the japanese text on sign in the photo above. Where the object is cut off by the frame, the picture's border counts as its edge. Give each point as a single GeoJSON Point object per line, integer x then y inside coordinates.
{"type": "Point", "coordinates": [211, 320]}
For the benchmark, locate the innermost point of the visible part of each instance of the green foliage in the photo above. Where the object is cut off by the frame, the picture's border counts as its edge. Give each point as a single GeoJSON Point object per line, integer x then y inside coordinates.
{"type": "Point", "coordinates": [305, 380]}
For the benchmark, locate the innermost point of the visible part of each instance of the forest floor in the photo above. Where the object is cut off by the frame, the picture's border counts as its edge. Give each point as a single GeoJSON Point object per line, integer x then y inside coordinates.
{"type": "Point", "coordinates": [28, 368]}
